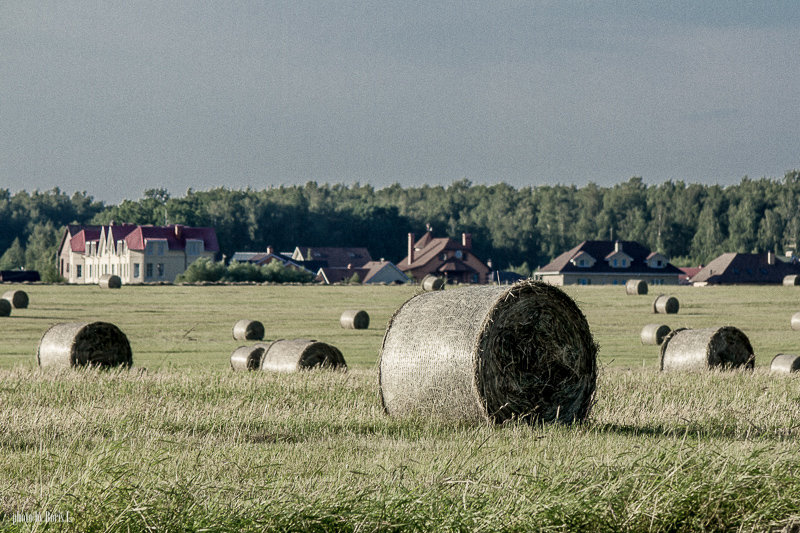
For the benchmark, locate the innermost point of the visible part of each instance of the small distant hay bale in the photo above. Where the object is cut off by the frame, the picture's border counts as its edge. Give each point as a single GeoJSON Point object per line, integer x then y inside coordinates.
{"type": "Point", "coordinates": [248, 330]}
{"type": "Point", "coordinates": [665, 304]}
{"type": "Point", "coordinates": [654, 334]}
{"type": "Point", "coordinates": [700, 349]}
{"type": "Point", "coordinates": [293, 355]}
{"type": "Point", "coordinates": [489, 353]}
{"type": "Point", "coordinates": [354, 319]}
{"type": "Point", "coordinates": [71, 344]}
{"type": "Point", "coordinates": [18, 299]}
{"type": "Point", "coordinates": [5, 307]}
{"type": "Point", "coordinates": [110, 281]}
{"type": "Point", "coordinates": [791, 281]}
{"type": "Point", "coordinates": [796, 321]}
{"type": "Point", "coordinates": [785, 363]}
{"type": "Point", "coordinates": [635, 286]}
{"type": "Point", "coordinates": [248, 357]}
{"type": "Point", "coordinates": [432, 283]}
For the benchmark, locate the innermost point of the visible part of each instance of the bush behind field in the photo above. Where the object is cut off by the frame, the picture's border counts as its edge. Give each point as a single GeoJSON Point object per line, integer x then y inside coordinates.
{"type": "Point", "coordinates": [207, 270]}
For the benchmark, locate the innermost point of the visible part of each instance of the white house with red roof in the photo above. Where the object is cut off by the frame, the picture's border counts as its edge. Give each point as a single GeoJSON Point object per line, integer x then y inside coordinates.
{"type": "Point", "coordinates": [135, 253]}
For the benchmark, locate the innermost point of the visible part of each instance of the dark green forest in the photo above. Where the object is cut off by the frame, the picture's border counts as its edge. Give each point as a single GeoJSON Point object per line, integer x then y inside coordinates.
{"type": "Point", "coordinates": [518, 228]}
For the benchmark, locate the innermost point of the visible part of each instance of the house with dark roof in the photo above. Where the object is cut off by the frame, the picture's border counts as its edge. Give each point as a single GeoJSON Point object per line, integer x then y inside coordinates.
{"type": "Point", "coordinates": [445, 257]}
{"type": "Point", "coordinates": [265, 258]}
{"type": "Point", "coordinates": [330, 256]}
{"type": "Point", "coordinates": [609, 263]}
{"type": "Point", "coordinates": [369, 273]}
{"type": "Point", "coordinates": [135, 253]}
{"type": "Point", "coordinates": [736, 268]}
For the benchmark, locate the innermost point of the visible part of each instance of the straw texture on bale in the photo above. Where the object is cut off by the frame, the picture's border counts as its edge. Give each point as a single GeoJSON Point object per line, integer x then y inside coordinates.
{"type": "Point", "coordinates": [796, 321]}
{"type": "Point", "coordinates": [785, 363]}
{"type": "Point", "coordinates": [700, 349]}
{"type": "Point", "coordinates": [654, 333]}
{"type": "Point", "coordinates": [791, 281]}
{"type": "Point", "coordinates": [84, 343]}
{"type": "Point", "coordinates": [665, 304]}
{"type": "Point", "coordinates": [294, 355]}
{"type": "Point", "coordinates": [246, 358]}
{"type": "Point", "coordinates": [5, 307]}
{"type": "Point", "coordinates": [635, 286]}
{"type": "Point", "coordinates": [110, 281]}
{"type": "Point", "coordinates": [18, 299]}
{"type": "Point", "coordinates": [489, 353]}
{"type": "Point", "coordinates": [432, 283]}
{"type": "Point", "coordinates": [354, 319]}
{"type": "Point", "coordinates": [248, 330]}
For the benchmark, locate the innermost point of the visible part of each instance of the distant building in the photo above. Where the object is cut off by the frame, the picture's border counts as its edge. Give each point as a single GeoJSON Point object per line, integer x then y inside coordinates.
{"type": "Point", "coordinates": [137, 254]}
{"type": "Point", "coordinates": [443, 256]}
{"type": "Point", "coordinates": [265, 258]}
{"type": "Point", "coordinates": [331, 256]}
{"type": "Point", "coordinates": [609, 263]}
{"type": "Point", "coordinates": [736, 268]}
{"type": "Point", "coordinates": [369, 273]}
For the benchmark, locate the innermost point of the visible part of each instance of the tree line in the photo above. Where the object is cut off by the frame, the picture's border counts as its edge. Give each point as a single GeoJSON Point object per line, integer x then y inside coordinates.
{"type": "Point", "coordinates": [518, 228]}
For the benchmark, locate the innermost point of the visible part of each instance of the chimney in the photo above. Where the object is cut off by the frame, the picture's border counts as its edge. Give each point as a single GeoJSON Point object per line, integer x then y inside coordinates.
{"type": "Point", "coordinates": [410, 248]}
{"type": "Point", "coordinates": [770, 258]}
{"type": "Point", "coordinates": [178, 231]}
{"type": "Point", "coordinates": [617, 246]}
{"type": "Point", "coordinates": [466, 240]}
{"type": "Point", "coordinates": [270, 250]}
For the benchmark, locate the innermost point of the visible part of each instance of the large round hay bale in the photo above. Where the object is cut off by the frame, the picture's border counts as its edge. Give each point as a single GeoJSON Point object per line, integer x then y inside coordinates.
{"type": "Point", "coordinates": [699, 349]}
{"type": "Point", "coordinates": [665, 304]}
{"type": "Point", "coordinates": [293, 355]}
{"type": "Point", "coordinates": [5, 307]}
{"type": "Point", "coordinates": [84, 343]}
{"type": "Point", "coordinates": [785, 363]}
{"type": "Point", "coordinates": [654, 333]}
{"type": "Point", "coordinates": [635, 286]}
{"type": "Point", "coordinates": [18, 299]}
{"type": "Point", "coordinates": [432, 283]}
{"type": "Point", "coordinates": [248, 330]}
{"type": "Point", "coordinates": [796, 321]}
{"type": "Point", "coordinates": [791, 281]}
{"type": "Point", "coordinates": [489, 353]}
{"type": "Point", "coordinates": [354, 319]}
{"type": "Point", "coordinates": [110, 281]}
{"type": "Point", "coordinates": [248, 357]}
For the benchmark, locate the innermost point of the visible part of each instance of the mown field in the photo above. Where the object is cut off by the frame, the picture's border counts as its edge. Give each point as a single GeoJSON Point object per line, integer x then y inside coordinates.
{"type": "Point", "coordinates": [179, 442]}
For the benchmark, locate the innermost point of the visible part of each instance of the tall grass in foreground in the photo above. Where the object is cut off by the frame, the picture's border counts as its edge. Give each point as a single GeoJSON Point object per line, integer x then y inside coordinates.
{"type": "Point", "coordinates": [198, 449]}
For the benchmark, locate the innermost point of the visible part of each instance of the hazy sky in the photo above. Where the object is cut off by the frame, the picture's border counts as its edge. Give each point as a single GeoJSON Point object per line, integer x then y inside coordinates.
{"type": "Point", "coordinates": [117, 97]}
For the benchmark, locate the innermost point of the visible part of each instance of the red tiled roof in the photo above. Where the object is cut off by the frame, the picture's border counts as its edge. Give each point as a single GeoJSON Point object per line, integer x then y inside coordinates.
{"type": "Point", "coordinates": [135, 236]}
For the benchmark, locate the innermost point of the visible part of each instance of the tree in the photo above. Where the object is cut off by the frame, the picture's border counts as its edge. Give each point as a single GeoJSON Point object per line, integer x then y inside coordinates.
{"type": "Point", "coordinates": [14, 257]}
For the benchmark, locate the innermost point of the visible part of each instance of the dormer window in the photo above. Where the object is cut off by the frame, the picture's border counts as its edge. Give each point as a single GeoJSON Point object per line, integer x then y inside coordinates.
{"type": "Point", "coordinates": [582, 260]}
{"type": "Point", "coordinates": [656, 260]}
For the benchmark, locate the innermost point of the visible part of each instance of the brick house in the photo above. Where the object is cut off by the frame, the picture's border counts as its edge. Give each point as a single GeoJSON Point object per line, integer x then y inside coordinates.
{"type": "Point", "coordinates": [443, 256]}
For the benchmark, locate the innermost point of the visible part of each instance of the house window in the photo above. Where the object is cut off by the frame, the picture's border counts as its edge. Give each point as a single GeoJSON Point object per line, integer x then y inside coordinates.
{"type": "Point", "coordinates": [624, 262]}
{"type": "Point", "coordinates": [615, 262]}
{"type": "Point", "coordinates": [136, 270]}
{"type": "Point", "coordinates": [78, 271]}
{"type": "Point", "coordinates": [67, 268]}
{"type": "Point", "coordinates": [161, 248]}
{"type": "Point", "coordinates": [149, 270]}
{"type": "Point", "coordinates": [459, 255]}
{"type": "Point", "coordinates": [161, 270]}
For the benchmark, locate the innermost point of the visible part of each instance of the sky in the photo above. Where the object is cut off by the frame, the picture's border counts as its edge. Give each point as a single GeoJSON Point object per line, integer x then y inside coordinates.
{"type": "Point", "coordinates": [116, 97]}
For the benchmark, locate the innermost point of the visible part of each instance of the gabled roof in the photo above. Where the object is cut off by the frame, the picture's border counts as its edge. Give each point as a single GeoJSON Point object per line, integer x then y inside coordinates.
{"type": "Point", "coordinates": [632, 249]}
{"type": "Point", "coordinates": [745, 268]}
{"type": "Point", "coordinates": [335, 256]}
{"type": "Point", "coordinates": [455, 265]}
{"type": "Point", "coordinates": [365, 273]}
{"type": "Point", "coordinates": [78, 236]}
{"type": "Point", "coordinates": [135, 236]}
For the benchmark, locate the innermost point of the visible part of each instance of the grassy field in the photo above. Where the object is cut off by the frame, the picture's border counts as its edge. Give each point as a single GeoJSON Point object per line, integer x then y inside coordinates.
{"type": "Point", "coordinates": [180, 442]}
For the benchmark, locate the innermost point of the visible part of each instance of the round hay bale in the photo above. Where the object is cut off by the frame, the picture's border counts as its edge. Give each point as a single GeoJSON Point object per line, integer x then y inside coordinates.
{"type": "Point", "coordinates": [354, 319]}
{"type": "Point", "coordinates": [294, 355]}
{"type": "Point", "coordinates": [791, 281]}
{"type": "Point", "coordinates": [665, 304]}
{"type": "Point", "coordinates": [248, 357]}
{"type": "Point", "coordinates": [489, 353]}
{"type": "Point", "coordinates": [84, 343]}
{"type": "Point", "coordinates": [110, 281]}
{"type": "Point", "coordinates": [654, 333]}
{"type": "Point", "coordinates": [432, 283]}
{"type": "Point", "coordinates": [18, 299]}
{"type": "Point", "coordinates": [5, 307]}
{"type": "Point", "coordinates": [248, 330]}
{"type": "Point", "coordinates": [785, 363]}
{"type": "Point", "coordinates": [700, 349]}
{"type": "Point", "coordinates": [635, 286]}
{"type": "Point", "coordinates": [796, 321]}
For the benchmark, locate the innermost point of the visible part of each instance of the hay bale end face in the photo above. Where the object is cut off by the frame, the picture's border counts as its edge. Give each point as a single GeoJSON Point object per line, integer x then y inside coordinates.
{"type": "Point", "coordinates": [354, 319]}
{"type": "Point", "coordinates": [489, 353]}
{"type": "Point", "coordinates": [110, 281]}
{"type": "Point", "coordinates": [665, 304]}
{"type": "Point", "coordinates": [71, 344]}
{"type": "Point", "coordinates": [701, 349]}
{"type": "Point", "coordinates": [432, 283]}
{"type": "Point", "coordinates": [796, 321]}
{"type": "Point", "coordinates": [5, 307]}
{"type": "Point", "coordinates": [791, 281]}
{"type": "Point", "coordinates": [248, 330]}
{"type": "Point", "coordinates": [18, 299]}
{"type": "Point", "coordinates": [246, 358]}
{"type": "Point", "coordinates": [294, 355]}
{"type": "Point", "coordinates": [785, 363]}
{"type": "Point", "coordinates": [654, 334]}
{"type": "Point", "coordinates": [635, 286]}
